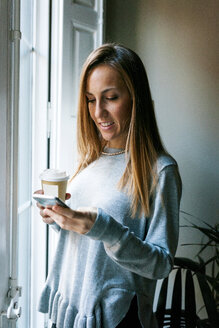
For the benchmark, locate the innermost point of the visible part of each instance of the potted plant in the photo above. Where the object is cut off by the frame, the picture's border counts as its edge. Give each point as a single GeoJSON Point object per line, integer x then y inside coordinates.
{"type": "Point", "coordinates": [206, 270]}
{"type": "Point", "coordinates": [176, 315]}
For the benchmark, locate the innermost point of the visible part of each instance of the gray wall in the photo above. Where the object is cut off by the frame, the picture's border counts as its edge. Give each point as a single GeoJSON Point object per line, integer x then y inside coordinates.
{"type": "Point", "coordinates": [178, 43]}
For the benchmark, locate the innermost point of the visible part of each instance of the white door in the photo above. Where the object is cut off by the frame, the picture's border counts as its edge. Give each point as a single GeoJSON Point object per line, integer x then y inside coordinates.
{"type": "Point", "coordinates": [82, 31]}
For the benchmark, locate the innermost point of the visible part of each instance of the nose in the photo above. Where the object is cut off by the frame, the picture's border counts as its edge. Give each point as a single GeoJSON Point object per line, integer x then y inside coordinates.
{"type": "Point", "coordinates": [100, 110]}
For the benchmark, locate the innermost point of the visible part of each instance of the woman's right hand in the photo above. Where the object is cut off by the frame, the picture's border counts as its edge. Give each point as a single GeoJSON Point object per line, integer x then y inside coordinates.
{"type": "Point", "coordinates": [45, 218]}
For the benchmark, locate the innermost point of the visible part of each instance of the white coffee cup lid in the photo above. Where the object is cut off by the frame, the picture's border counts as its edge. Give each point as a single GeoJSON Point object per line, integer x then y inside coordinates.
{"type": "Point", "coordinates": [54, 175]}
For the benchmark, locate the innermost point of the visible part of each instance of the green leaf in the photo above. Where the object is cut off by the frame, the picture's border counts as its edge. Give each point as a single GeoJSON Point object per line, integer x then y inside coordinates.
{"type": "Point", "coordinates": [213, 282]}
{"type": "Point", "coordinates": [214, 236]}
{"type": "Point", "coordinates": [212, 259]}
{"type": "Point", "coordinates": [213, 230]}
{"type": "Point", "coordinates": [208, 300]}
{"type": "Point", "coordinates": [195, 244]}
{"type": "Point", "coordinates": [202, 264]}
{"type": "Point", "coordinates": [205, 246]}
{"type": "Point", "coordinates": [195, 217]}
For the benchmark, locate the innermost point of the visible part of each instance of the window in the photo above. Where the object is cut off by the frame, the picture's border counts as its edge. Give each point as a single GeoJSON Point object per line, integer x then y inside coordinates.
{"type": "Point", "coordinates": [47, 77]}
{"type": "Point", "coordinates": [32, 155]}
{"type": "Point", "coordinates": [25, 161]}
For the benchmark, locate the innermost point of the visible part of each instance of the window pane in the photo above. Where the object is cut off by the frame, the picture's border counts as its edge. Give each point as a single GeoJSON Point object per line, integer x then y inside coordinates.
{"type": "Point", "coordinates": [24, 266]}
{"type": "Point", "coordinates": [25, 113]}
{"type": "Point", "coordinates": [25, 163]}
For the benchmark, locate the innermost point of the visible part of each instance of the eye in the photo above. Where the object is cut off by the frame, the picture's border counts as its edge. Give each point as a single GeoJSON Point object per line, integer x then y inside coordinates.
{"type": "Point", "coordinates": [90, 100]}
{"type": "Point", "coordinates": [112, 98]}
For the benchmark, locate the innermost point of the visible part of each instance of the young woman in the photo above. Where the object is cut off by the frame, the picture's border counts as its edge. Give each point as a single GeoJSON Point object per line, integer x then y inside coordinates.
{"type": "Point", "coordinates": [121, 231]}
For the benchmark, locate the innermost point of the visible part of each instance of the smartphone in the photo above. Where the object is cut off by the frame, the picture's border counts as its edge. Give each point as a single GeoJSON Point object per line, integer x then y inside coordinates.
{"type": "Point", "coordinates": [49, 201]}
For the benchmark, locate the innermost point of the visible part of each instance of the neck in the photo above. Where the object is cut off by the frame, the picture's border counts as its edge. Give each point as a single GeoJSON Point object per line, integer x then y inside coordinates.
{"type": "Point", "coordinates": [115, 146]}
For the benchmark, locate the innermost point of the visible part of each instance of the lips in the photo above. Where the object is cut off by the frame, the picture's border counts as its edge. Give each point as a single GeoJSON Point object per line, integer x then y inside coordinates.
{"type": "Point", "coordinates": [106, 124]}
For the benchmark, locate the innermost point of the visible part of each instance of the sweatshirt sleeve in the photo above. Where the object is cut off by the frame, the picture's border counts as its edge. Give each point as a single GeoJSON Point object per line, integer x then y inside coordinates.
{"type": "Point", "coordinates": [153, 257]}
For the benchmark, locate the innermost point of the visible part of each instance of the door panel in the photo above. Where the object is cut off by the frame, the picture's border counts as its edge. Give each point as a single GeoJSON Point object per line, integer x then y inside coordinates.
{"type": "Point", "coordinates": [82, 32]}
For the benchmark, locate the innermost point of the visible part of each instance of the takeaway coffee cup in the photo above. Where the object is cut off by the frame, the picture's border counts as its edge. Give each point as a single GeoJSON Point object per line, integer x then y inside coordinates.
{"type": "Point", "coordinates": [54, 182]}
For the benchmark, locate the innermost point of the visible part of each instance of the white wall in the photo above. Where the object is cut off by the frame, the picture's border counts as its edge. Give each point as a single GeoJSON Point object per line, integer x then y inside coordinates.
{"type": "Point", "coordinates": [178, 43]}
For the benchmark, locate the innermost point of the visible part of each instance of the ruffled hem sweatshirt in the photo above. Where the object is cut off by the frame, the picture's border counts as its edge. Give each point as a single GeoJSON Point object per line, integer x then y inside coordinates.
{"type": "Point", "coordinates": [95, 276]}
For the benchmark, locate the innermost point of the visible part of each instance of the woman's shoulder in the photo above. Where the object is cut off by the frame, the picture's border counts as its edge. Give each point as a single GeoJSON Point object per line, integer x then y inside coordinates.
{"type": "Point", "coordinates": [165, 160]}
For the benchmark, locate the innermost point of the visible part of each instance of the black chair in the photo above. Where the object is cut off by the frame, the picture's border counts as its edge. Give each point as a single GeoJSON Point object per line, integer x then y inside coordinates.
{"type": "Point", "coordinates": [177, 317]}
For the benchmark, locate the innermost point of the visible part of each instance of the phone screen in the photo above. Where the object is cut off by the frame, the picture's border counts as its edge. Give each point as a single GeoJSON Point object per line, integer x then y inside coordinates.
{"type": "Point", "coordinates": [46, 201]}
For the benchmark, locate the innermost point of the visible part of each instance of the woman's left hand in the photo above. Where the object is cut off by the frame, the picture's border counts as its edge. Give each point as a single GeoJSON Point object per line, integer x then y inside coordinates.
{"type": "Point", "coordinates": [80, 221]}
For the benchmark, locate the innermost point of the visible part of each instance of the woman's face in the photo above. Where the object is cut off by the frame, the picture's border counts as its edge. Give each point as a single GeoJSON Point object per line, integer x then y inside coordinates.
{"type": "Point", "coordinates": [109, 104]}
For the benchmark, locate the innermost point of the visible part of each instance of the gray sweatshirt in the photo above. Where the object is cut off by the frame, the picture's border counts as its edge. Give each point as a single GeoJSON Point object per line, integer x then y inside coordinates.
{"type": "Point", "coordinates": [95, 276]}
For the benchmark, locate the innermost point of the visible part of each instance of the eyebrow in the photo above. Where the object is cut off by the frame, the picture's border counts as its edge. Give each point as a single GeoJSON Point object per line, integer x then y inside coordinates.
{"type": "Point", "coordinates": [104, 91]}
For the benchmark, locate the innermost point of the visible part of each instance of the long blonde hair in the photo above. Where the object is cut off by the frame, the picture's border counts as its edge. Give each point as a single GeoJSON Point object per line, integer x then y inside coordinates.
{"type": "Point", "coordinates": [143, 142]}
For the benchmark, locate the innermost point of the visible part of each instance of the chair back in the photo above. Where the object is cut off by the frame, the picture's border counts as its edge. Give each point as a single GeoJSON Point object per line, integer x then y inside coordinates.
{"type": "Point", "coordinates": [177, 315]}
